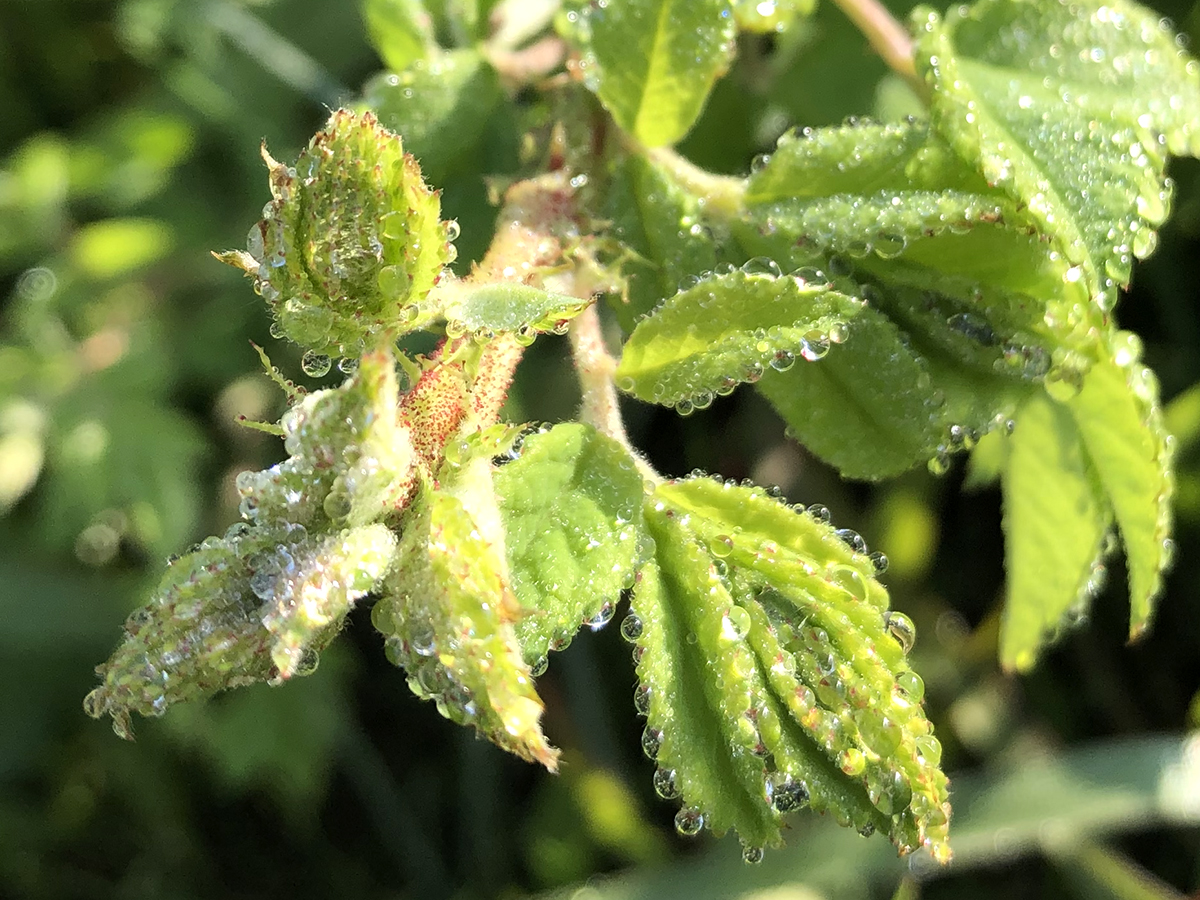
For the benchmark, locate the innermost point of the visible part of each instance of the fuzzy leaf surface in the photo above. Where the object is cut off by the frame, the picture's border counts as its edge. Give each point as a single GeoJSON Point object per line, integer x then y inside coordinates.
{"type": "Point", "coordinates": [951, 260]}
{"type": "Point", "coordinates": [1054, 524]}
{"type": "Point", "coordinates": [653, 62]}
{"type": "Point", "coordinates": [571, 506]}
{"type": "Point", "coordinates": [1120, 421]}
{"type": "Point", "coordinates": [448, 613]}
{"type": "Point", "coordinates": [1069, 109]}
{"type": "Point", "coordinates": [257, 604]}
{"type": "Point", "coordinates": [773, 681]}
{"type": "Point", "coordinates": [878, 405]}
{"type": "Point", "coordinates": [728, 329]}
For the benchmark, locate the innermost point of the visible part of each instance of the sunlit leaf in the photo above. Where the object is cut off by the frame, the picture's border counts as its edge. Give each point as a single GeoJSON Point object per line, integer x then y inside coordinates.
{"type": "Point", "coordinates": [1120, 422]}
{"type": "Point", "coordinates": [448, 614]}
{"type": "Point", "coordinates": [727, 329]}
{"type": "Point", "coordinates": [1054, 524]}
{"type": "Point", "coordinates": [652, 62]}
{"type": "Point", "coordinates": [773, 676]}
{"type": "Point", "coordinates": [1070, 109]}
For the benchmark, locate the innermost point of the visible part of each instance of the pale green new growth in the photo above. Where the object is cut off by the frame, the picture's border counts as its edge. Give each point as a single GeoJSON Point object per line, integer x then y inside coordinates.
{"type": "Point", "coordinates": [804, 696]}
{"type": "Point", "coordinates": [1121, 424]}
{"type": "Point", "coordinates": [911, 288]}
{"type": "Point", "coordinates": [490, 309]}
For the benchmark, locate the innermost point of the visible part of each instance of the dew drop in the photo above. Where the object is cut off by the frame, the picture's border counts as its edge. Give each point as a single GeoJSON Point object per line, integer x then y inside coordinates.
{"type": "Point", "coordinates": [452, 230]}
{"type": "Point", "coordinates": [722, 546]}
{"type": "Point", "coordinates": [912, 685]}
{"type": "Point", "coordinates": [689, 821]}
{"type": "Point", "coordinates": [631, 627]}
{"type": "Point", "coordinates": [539, 666]}
{"type": "Point", "coordinates": [783, 360]}
{"type": "Point", "coordinates": [603, 616]}
{"type": "Point", "coordinates": [315, 364]}
{"type": "Point", "coordinates": [95, 704]}
{"type": "Point", "coordinates": [814, 346]}
{"type": "Point", "coordinates": [651, 743]}
{"type": "Point", "coordinates": [789, 795]}
{"type": "Point", "coordinates": [735, 624]}
{"type": "Point", "coordinates": [879, 561]}
{"type": "Point", "coordinates": [762, 265]}
{"type": "Point", "coordinates": [820, 513]}
{"type": "Point", "coordinates": [901, 629]}
{"type": "Point", "coordinates": [852, 539]}
{"type": "Point", "coordinates": [852, 762]}
{"type": "Point", "coordinates": [641, 699]}
{"type": "Point", "coordinates": [666, 783]}
{"type": "Point", "coordinates": [752, 856]}
{"type": "Point", "coordinates": [422, 640]}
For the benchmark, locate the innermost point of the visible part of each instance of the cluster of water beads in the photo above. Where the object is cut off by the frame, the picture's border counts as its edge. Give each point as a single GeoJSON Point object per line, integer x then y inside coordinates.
{"type": "Point", "coordinates": [382, 246]}
{"type": "Point", "coordinates": [875, 723]}
{"type": "Point", "coordinates": [254, 605]}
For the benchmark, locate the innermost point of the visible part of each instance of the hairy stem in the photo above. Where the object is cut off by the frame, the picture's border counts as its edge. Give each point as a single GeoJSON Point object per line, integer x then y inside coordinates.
{"type": "Point", "coordinates": [595, 366]}
{"type": "Point", "coordinates": [722, 194]}
{"type": "Point", "coordinates": [887, 37]}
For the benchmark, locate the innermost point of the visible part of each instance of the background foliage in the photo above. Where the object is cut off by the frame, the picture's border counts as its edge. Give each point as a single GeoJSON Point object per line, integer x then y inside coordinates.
{"type": "Point", "coordinates": [128, 137]}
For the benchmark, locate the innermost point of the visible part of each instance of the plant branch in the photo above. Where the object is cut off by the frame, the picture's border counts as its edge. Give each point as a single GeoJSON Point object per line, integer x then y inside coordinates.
{"type": "Point", "coordinates": [595, 366]}
{"type": "Point", "coordinates": [887, 37]}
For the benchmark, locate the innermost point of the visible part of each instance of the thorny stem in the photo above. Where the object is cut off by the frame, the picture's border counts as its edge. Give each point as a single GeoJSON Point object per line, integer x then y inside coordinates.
{"type": "Point", "coordinates": [595, 366]}
{"type": "Point", "coordinates": [887, 37]}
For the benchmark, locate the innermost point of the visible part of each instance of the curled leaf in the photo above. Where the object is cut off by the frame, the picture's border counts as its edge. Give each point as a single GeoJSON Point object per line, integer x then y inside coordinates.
{"type": "Point", "coordinates": [255, 605]}
{"type": "Point", "coordinates": [447, 613]}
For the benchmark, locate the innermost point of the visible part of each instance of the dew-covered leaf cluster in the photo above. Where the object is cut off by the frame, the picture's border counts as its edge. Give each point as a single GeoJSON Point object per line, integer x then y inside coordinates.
{"type": "Point", "coordinates": [896, 291]}
{"type": "Point", "coordinates": [977, 255]}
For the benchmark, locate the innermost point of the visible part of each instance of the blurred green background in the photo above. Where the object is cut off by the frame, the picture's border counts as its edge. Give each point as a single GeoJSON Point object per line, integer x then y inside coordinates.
{"type": "Point", "coordinates": [129, 136]}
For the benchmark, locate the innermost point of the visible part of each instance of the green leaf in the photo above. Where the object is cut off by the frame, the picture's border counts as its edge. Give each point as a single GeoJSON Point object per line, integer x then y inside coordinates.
{"type": "Point", "coordinates": [571, 508]}
{"type": "Point", "coordinates": [505, 307]}
{"type": "Point", "coordinates": [401, 31]}
{"type": "Point", "coordinates": [1055, 522]}
{"type": "Point", "coordinates": [448, 614]}
{"type": "Point", "coordinates": [878, 406]}
{"type": "Point", "coordinates": [730, 328]}
{"type": "Point", "coordinates": [1120, 422]}
{"type": "Point", "coordinates": [257, 604]}
{"type": "Point", "coordinates": [662, 228]}
{"type": "Point", "coordinates": [653, 62]}
{"type": "Point", "coordinates": [949, 259]}
{"type": "Point", "coordinates": [438, 105]}
{"type": "Point", "coordinates": [1068, 109]}
{"type": "Point", "coordinates": [769, 676]}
